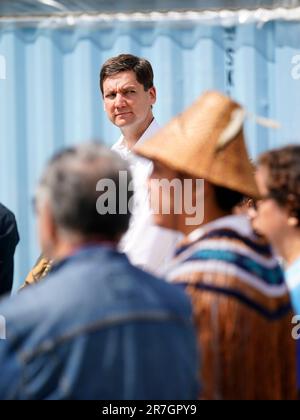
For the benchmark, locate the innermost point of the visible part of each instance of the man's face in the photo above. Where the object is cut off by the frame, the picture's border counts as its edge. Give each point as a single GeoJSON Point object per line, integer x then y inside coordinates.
{"type": "Point", "coordinates": [162, 198]}
{"type": "Point", "coordinates": [46, 229]}
{"type": "Point", "coordinates": [269, 219]}
{"type": "Point", "coordinates": [126, 102]}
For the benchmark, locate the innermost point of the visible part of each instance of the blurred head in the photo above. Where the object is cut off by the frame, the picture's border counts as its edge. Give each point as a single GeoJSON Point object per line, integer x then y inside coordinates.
{"type": "Point", "coordinates": [126, 84]}
{"type": "Point", "coordinates": [69, 192]}
{"type": "Point", "coordinates": [278, 209]}
{"type": "Point", "coordinates": [182, 202]}
{"type": "Point", "coordinates": [206, 141]}
{"type": "Point", "coordinates": [163, 196]}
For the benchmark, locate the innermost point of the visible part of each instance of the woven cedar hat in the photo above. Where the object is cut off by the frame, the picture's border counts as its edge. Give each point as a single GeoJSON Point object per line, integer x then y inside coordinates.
{"type": "Point", "coordinates": [206, 141]}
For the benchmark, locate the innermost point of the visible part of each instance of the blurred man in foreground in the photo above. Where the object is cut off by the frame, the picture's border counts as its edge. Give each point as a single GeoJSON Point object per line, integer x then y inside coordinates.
{"type": "Point", "coordinates": [96, 327]}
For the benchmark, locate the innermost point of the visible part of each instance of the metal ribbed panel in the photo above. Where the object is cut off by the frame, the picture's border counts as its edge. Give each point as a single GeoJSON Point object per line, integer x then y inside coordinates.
{"type": "Point", "coordinates": [50, 97]}
{"type": "Point", "coordinates": [25, 7]}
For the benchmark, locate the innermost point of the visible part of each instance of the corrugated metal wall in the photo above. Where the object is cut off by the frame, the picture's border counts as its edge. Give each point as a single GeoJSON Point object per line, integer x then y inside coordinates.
{"type": "Point", "coordinates": [49, 94]}
{"type": "Point", "coordinates": [42, 7]}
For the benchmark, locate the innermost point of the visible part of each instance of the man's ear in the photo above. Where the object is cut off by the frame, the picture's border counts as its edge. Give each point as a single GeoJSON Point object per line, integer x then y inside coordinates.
{"type": "Point", "coordinates": [52, 228]}
{"type": "Point", "coordinates": [152, 93]}
{"type": "Point", "coordinates": [48, 232]}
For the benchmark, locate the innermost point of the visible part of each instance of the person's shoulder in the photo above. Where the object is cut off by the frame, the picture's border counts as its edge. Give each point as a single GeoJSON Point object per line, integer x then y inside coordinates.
{"type": "Point", "coordinates": [169, 295]}
{"type": "Point", "coordinates": [117, 145]}
{"type": "Point", "coordinates": [153, 128]}
{"type": "Point", "coordinates": [22, 310]}
{"type": "Point", "coordinates": [5, 213]}
{"type": "Point", "coordinates": [155, 124]}
{"type": "Point", "coordinates": [118, 273]}
{"type": "Point", "coordinates": [8, 225]}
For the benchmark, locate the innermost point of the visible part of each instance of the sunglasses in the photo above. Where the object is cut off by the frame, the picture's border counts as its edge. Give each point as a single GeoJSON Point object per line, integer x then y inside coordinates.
{"type": "Point", "coordinates": [254, 204]}
{"type": "Point", "coordinates": [281, 198]}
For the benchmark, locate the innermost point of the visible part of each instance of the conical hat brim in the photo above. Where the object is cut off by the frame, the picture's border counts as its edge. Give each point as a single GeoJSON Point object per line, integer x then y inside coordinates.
{"type": "Point", "coordinates": [189, 144]}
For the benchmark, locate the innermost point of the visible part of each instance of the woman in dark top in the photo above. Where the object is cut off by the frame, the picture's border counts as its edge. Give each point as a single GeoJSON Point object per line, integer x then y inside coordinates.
{"type": "Point", "coordinates": [9, 238]}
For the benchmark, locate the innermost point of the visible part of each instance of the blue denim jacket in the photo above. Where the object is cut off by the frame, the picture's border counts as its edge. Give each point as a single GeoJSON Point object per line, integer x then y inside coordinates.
{"type": "Point", "coordinates": [98, 328]}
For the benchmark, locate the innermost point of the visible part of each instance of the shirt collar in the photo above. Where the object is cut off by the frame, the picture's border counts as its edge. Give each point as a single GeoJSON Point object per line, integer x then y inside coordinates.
{"type": "Point", "coordinates": [86, 249]}
{"type": "Point", "coordinates": [121, 147]}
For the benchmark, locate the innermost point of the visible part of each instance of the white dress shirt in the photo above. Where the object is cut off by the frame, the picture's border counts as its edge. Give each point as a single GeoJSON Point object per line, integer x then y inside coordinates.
{"type": "Point", "coordinates": [147, 246]}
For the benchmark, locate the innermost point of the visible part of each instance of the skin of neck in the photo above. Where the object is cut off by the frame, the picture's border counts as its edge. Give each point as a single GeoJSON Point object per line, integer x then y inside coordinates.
{"type": "Point", "coordinates": [289, 245]}
{"type": "Point", "coordinates": [133, 133]}
{"type": "Point", "coordinates": [212, 211]}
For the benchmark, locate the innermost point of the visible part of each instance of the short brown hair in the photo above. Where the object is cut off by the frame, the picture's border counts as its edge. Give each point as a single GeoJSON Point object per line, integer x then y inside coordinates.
{"type": "Point", "coordinates": [283, 181]}
{"type": "Point", "coordinates": [127, 62]}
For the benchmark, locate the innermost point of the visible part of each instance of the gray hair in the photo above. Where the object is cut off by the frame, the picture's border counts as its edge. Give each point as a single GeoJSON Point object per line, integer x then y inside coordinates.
{"type": "Point", "coordinates": [69, 185]}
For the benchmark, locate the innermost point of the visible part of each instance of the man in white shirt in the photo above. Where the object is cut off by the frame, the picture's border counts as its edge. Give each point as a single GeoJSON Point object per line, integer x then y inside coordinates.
{"type": "Point", "coordinates": [126, 84]}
